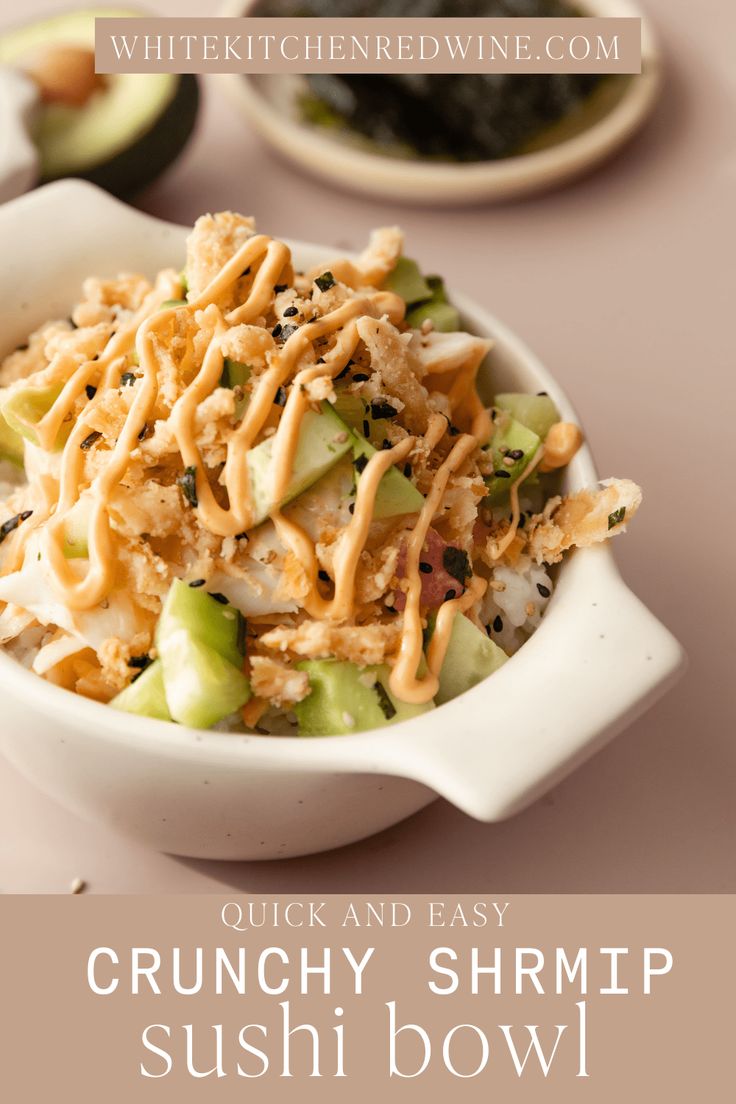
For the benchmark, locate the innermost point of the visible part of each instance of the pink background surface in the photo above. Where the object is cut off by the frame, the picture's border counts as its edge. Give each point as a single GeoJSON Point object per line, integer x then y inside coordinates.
{"type": "Point", "coordinates": [623, 283]}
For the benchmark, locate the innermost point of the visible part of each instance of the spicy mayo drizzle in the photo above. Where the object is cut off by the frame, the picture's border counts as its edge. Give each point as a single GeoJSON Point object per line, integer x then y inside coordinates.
{"type": "Point", "coordinates": [341, 323]}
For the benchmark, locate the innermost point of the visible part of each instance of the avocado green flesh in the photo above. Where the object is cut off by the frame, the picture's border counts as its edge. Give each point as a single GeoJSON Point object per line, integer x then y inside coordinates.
{"type": "Point", "coordinates": [509, 436]}
{"type": "Point", "coordinates": [396, 494]}
{"type": "Point", "coordinates": [127, 132]}
{"type": "Point", "coordinates": [471, 656]}
{"type": "Point", "coordinates": [212, 623]}
{"type": "Point", "coordinates": [201, 686]}
{"type": "Point", "coordinates": [323, 439]}
{"type": "Point", "coordinates": [407, 282]}
{"type": "Point", "coordinates": [146, 695]}
{"type": "Point", "coordinates": [356, 414]}
{"type": "Point", "coordinates": [341, 699]}
{"type": "Point", "coordinates": [24, 408]}
{"type": "Point", "coordinates": [537, 412]}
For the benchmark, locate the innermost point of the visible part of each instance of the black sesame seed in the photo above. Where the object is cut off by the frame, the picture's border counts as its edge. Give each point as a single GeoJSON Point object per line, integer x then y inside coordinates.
{"type": "Point", "coordinates": [360, 462]}
{"type": "Point", "coordinates": [287, 331]}
{"type": "Point", "coordinates": [139, 662]}
{"type": "Point", "coordinates": [516, 454]}
{"type": "Point", "coordinates": [218, 597]}
{"type": "Point", "coordinates": [381, 408]}
{"type": "Point", "coordinates": [385, 443]}
{"type": "Point", "coordinates": [276, 331]}
{"type": "Point", "coordinates": [12, 523]}
{"type": "Point", "coordinates": [360, 377]}
{"type": "Point", "coordinates": [321, 360]}
{"type": "Point", "coordinates": [522, 520]}
{"type": "Point", "coordinates": [500, 474]}
{"type": "Point", "coordinates": [543, 590]}
{"type": "Point", "coordinates": [407, 470]}
{"type": "Point", "coordinates": [453, 430]}
{"type": "Point", "coordinates": [449, 595]}
{"type": "Point", "coordinates": [366, 428]}
{"type": "Point", "coordinates": [341, 374]}
{"type": "Point", "coordinates": [90, 439]}
{"type": "Point", "coordinates": [241, 536]}
{"type": "Point", "coordinates": [143, 433]}
{"type": "Point", "coordinates": [351, 508]}
{"type": "Point", "coordinates": [127, 379]}
{"type": "Point", "coordinates": [245, 272]}
{"type": "Point", "coordinates": [280, 398]}
{"type": "Point", "coordinates": [323, 576]}
{"type": "Point", "coordinates": [197, 583]}
{"type": "Point", "coordinates": [426, 568]}
{"type": "Point", "coordinates": [290, 312]}
{"type": "Point", "coordinates": [325, 281]}
{"type": "Point", "coordinates": [90, 391]}
{"type": "Point", "coordinates": [541, 393]}
{"type": "Point", "coordinates": [278, 288]}
{"type": "Point", "coordinates": [497, 624]}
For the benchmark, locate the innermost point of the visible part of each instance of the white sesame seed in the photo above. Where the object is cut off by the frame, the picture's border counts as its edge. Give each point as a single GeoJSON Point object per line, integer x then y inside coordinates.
{"type": "Point", "coordinates": [78, 886]}
{"type": "Point", "coordinates": [348, 720]}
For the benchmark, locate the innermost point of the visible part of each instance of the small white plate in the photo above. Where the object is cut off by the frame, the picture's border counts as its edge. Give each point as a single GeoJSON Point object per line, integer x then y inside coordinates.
{"type": "Point", "coordinates": [18, 156]}
{"type": "Point", "coordinates": [267, 104]}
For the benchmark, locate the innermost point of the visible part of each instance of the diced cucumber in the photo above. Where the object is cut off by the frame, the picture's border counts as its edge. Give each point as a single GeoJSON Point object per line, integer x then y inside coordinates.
{"type": "Point", "coordinates": [236, 374]}
{"type": "Point", "coordinates": [23, 410]}
{"type": "Point", "coordinates": [76, 529]}
{"type": "Point", "coordinates": [471, 656]}
{"type": "Point", "coordinates": [146, 694]}
{"type": "Point", "coordinates": [438, 309]}
{"type": "Point", "coordinates": [216, 624]}
{"type": "Point", "coordinates": [201, 686]}
{"type": "Point", "coordinates": [511, 441]}
{"type": "Point", "coordinates": [345, 698]}
{"type": "Point", "coordinates": [11, 444]}
{"type": "Point", "coordinates": [537, 412]}
{"type": "Point", "coordinates": [444, 317]}
{"type": "Point", "coordinates": [407, 281]}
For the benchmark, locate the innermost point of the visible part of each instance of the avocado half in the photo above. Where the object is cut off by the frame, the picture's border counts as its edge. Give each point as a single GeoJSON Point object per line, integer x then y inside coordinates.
{"type": "Point", "coordinates": [128, 132]}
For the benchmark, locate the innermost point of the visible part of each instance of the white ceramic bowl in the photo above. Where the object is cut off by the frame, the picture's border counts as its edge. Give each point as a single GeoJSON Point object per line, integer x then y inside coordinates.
{"type": "Point", "coordinates": [598, 660]}
{"type": "Point", "coordinates": [18, 155]}
{"type": "Point", "coordinates": [266, 103]}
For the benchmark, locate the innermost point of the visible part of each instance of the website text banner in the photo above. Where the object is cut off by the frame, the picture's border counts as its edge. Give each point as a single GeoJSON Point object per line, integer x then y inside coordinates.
{"type": "Point", "coordinates": [367, 45]}
{"type": "Point", "coordinates": [522, 999]}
